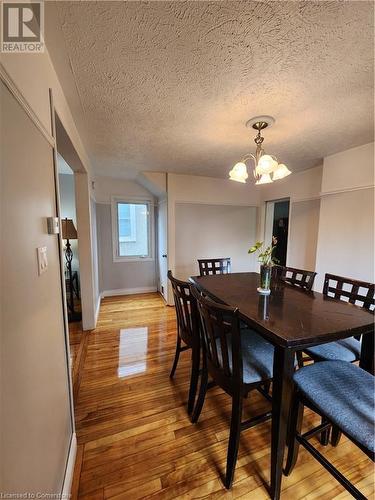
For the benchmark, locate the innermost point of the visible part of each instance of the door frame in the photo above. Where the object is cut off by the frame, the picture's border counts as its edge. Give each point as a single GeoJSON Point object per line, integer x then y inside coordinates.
{"type": "Point", "coordinates": [165, 297]}
{"type": "Point", "coordinates": [70, 463]}
{"type": "Point", "coordinates": [285, 198]}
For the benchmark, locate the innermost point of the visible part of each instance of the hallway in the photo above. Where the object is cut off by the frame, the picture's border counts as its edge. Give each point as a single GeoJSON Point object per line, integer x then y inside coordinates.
{"type": "Point", "coordinates": [134, 436]}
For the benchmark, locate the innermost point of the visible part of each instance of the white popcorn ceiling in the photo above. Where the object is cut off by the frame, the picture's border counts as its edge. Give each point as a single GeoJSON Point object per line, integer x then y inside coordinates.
{"type": "Point", "coordinates": [169, 86]}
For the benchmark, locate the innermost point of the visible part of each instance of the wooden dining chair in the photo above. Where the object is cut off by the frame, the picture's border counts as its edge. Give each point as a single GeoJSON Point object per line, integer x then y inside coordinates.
{"type": "Point", "coordinates": [298, 277]}
{"type": "Point", "coordinates": [238, 361]}
{"type": "Point", "coordinates": [359, 293]}
{"type": "Point", "coordinates": [214, 266]}
{"type": "Point", "coordinates": [355, 292]}
{"type": "Point", "coordinates": [187, 332]}
{"type": "Point", "coordinates": [343, 394]}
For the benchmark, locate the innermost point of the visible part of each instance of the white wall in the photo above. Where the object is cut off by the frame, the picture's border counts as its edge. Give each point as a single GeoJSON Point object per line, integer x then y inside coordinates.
{"type": "Point", "coordinates": [346, 223]}
{"type": "Point", "coordinates": [36, 421]}
{"type": "Point", "coordinates": [213, 231]}
{"type": "Point", "coordinates": [117, 277]}
{"type": "Point", "coordinates": [95, 257]}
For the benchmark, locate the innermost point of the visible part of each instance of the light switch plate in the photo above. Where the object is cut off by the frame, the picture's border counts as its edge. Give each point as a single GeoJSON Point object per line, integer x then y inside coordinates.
{"type": "Point", "coordinates": [42, 260]}
{"type": "Point", "coordinates": [53, 225]}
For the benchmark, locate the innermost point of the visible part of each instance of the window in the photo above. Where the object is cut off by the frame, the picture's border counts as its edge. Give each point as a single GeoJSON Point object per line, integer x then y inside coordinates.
{"type": "Point", "coordinates": [131, 226]}
{"type": "Point", "coordinates": [126, 222]}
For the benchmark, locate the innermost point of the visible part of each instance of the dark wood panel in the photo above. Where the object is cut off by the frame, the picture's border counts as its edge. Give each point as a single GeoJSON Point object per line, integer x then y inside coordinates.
{"type": "Point", "coordinates": [290, 316]}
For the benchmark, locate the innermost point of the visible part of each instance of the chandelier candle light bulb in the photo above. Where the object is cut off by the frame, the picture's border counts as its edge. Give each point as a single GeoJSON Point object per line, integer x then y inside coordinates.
{"type": "Point", "coordinates": [266, 167]}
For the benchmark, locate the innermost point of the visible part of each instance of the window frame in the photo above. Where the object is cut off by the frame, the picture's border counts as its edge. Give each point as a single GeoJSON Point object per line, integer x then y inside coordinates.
{"type": "Point", "coordinates": [115, 229]}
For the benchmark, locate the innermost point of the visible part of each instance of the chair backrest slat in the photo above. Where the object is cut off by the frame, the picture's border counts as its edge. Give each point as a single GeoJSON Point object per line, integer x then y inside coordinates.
{"type": "Point", "coordinates": [186, 307]}
{"type": "Point", "coordinates": [334, 287]}
{"type": "Point", "coordinates": [220, 333]}
{"type": "Point", "coordinates": [214, 266]}
{"type": "Point", "coordinates": [298, 277]}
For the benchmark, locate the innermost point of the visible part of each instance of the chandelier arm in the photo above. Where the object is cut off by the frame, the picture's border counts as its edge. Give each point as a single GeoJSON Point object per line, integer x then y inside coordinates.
{"type": "Point", "coordinates": [249, 156]}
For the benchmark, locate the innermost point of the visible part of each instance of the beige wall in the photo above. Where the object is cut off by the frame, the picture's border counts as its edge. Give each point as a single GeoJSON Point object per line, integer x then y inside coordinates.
{"type": "Point", "coordinates": [202, 191]}
{"type": "Point", "coordinates": [349, 169]}
{"type": "Point", "coordinates": [346, 223]}
{"type": "Point", "coordinates": [299, 186]}
{"type": "Point", "coordinates": [303, 189]}
{"type": "Point", "coordinates": [303, 234]}
{"type": "Point", "coordinates": [209, 231]}
{"type": "Point", "coordinates": [331, 208]}
{"type": "Point", "coordinates": [34, 75]}
{"type": "Point", "coordinates": [36, 423]}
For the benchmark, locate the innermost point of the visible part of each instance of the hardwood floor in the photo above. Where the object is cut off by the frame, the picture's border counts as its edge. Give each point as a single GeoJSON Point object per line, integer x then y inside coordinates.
{"type": "Point", "coordinates": [135, 439]}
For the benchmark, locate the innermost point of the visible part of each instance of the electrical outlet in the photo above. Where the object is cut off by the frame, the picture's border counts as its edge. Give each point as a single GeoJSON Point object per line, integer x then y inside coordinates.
{"type": "Point", "coordinates": [42, 260]}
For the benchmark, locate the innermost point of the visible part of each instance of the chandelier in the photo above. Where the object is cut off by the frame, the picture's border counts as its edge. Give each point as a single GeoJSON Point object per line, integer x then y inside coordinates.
{"type": "Point", "coordinates": [266, 167]}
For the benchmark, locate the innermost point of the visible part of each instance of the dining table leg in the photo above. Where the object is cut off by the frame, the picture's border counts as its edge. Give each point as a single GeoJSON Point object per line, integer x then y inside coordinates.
{"type": "Point", "coordinates": [367, 352]}
{"type": "Point", "coordinates": [283, 368]}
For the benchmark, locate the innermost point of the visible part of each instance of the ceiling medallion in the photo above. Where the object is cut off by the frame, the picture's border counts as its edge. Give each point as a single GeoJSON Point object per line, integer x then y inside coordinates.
{"type": "Point", "coordinates": [266, 167]}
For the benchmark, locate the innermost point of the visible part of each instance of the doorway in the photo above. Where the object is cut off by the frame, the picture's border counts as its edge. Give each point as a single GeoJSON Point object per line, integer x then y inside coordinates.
{"type": "Point", "coordinates": [70, 238]}
{"type": "Point", "coordinates": [277, 224]}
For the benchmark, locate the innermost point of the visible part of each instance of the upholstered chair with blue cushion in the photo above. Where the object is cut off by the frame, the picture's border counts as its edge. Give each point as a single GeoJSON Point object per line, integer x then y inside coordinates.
{"type": "Point", "coordinates": [238, 360]}
{"type": "Point", "coordinates": [343, 394]}
{"type": "Point", "coordinates": [358, 294]}
{"type": "Point", "coordinates": [355, 292]}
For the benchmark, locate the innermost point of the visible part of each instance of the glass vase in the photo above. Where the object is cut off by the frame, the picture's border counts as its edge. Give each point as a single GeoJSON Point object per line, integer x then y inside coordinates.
{"type": "Point", "coordinates": [265, 280]}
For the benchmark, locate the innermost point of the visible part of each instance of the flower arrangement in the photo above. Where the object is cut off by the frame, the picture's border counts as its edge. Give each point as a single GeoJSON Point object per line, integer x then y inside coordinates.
{"type": "Point", "coordinates": [266, 255]}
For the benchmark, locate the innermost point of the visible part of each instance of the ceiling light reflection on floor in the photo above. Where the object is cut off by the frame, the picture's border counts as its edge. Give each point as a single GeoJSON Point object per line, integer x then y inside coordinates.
{"type": "Point", "coordinates": [132, 351]}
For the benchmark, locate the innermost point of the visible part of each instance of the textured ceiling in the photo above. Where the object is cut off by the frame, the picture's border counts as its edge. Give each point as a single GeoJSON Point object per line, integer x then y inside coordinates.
{"type": "Point", "coordinates": [168, 86]}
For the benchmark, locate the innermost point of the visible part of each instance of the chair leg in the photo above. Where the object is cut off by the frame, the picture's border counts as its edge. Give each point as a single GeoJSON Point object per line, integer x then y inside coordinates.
{"type": "Point", "coordinates": [324, 436]}
{"type": "Point", "coordinates": [195, 359]}
{"type": "Point", "coordinates": [295, 426]}
{"type": "Point", "coordinates": [300, 359]}
{"type": "Point", "coordinates": [201, 395]}
{"type": "Point", "coordinates": [234, 438]}
{"type": "Point", "coordinates": [176, 356]}
{"type": "Point", "coordinates": [335, 436]}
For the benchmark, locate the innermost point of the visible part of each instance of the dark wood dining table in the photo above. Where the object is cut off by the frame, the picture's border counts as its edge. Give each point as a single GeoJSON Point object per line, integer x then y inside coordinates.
{"type": "Point", "coordinates": [291, 319]}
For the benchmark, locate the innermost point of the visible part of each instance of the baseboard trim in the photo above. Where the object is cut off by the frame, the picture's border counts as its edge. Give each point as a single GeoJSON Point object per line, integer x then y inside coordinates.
{"type": "Point", "coordinates": [97, 308]}
{"type": "Point", "coordinates": [69, 471]}
{"type": "Point", "coordinates": [128, 291]}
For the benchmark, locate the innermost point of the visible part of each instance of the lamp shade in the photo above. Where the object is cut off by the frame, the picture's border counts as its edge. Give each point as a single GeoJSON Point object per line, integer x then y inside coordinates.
{"type": "Point", "coordinates": [281, 172]}
{"type": "Point", "coordinates": [69, 232]}
{"type": "Point", "coordinates": [266, 164]}
{"type": "Point", "coordinates": [239, 173]}
{"type": "Point", "coordinates": [264, 179]}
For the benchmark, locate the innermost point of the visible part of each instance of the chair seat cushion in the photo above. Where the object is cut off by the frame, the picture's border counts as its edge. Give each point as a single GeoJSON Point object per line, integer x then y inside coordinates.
{"type": "Point", "coordinates": [257, 356]}
{"type": "Point", "coordinates": [344, 393]}
{"type": "Point", "coordinates": [342, 350]}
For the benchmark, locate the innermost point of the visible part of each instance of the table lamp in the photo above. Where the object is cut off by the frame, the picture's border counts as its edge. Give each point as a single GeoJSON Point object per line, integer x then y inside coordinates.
{"type": "Point", "coordinates": [69, 232]}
